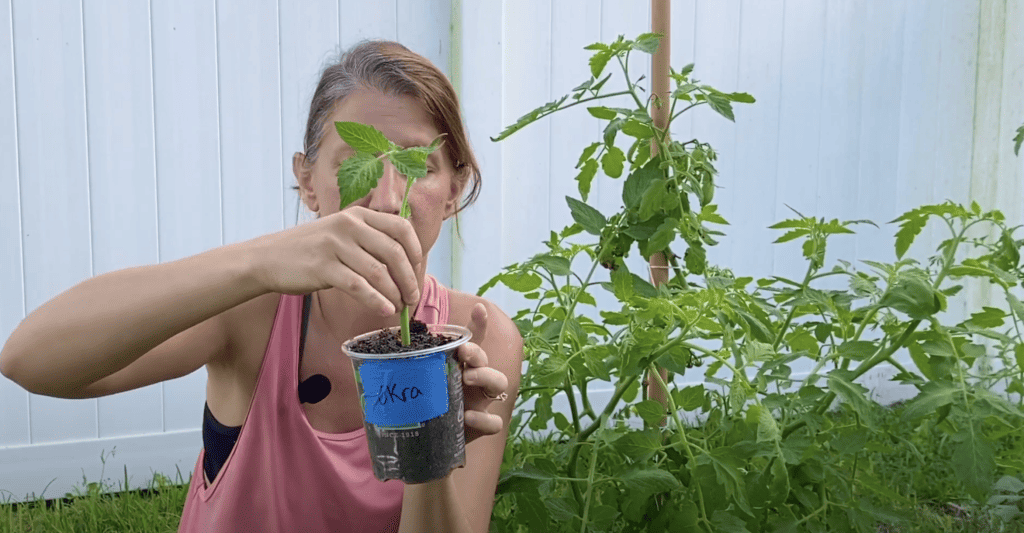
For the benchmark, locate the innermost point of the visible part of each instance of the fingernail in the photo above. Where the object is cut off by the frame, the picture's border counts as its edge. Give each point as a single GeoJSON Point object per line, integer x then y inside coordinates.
{"type": "Point", "coordinates": [387, 309]}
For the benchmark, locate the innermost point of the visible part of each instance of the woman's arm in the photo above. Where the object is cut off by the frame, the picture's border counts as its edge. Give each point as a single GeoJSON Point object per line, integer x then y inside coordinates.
{"type": "Point", "coordinates": [103, 324]}
{"type": "Point", "coordinates": [463, 501]}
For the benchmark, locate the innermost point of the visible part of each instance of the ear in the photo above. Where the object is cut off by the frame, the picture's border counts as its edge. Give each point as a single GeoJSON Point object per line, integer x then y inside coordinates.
{"type": "Point", "coordinates": [451, 203]}
{"type": "Point", "coordinates": [304, 177]}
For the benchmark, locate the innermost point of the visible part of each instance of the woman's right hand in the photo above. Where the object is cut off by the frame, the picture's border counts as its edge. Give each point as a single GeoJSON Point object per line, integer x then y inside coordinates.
{"type": "Point", "coordinates": [369, 255]}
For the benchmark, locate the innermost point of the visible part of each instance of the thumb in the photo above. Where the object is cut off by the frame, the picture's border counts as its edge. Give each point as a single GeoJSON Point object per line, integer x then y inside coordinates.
{"type": "Point", "coordinates": [478, 323]}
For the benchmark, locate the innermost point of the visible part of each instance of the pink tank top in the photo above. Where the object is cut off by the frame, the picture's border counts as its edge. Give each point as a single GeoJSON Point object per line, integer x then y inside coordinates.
{"type": "Point", "coordinates": [284, 475]}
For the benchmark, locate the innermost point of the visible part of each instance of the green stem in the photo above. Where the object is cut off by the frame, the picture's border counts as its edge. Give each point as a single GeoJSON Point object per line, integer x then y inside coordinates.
{"type": "Point", "coordinates": [653, 371]}
{"type": "Point", "coordinates": [404, 213]}
{"type": "Point", "coordinates": [792, 310]}
{"type": "Point", "coordinates": [590, 489]}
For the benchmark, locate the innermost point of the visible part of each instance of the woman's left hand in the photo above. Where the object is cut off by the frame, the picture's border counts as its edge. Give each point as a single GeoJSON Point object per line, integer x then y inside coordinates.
{"type": "Point", "coordinates": [481, 384]}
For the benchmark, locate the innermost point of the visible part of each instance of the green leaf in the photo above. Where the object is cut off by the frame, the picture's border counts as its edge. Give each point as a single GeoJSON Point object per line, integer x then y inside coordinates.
{"type": "Point", "coordinates": [410, 163]}
{"type": "Point", "coordinates": [602, 112]}
{"type": "Point", "coordinates": [530, 508]}
{"type": "Point", "coordinates": [695, 258]}
{"type": "Point", "coordinates": [933, 395]}
{"type": "Point", "coordinates": [721, 105]}
{"type": "Point", "coordinates": [598, 61]}
{"type": "Point", "coordinates": [908, 231]}
{"type": "Point", "coordinates": [857, 350]}
{"type": "Point", "coordinates": [638, 182]}
{"type": "Point", "coordinates": [357, 176]}
{"type": "Point", "coordinates": [611, 162]}
{"type": "Point", "coordinates": [727, 467]}
{"type": "Point", "coordinates": [622, 284]}
{"type": "Point", "coordinates": [690, 398]}
{"type": "Point", "coordinates": [663, 236]}
{"type": "Point", "coordinates": [989, 317]}
{"type": "Point", "coordinates": [1018, 354]}
{"type": "Point", "coordinates": [558, 266]}
{"type": "Point", "coordinates": [854, 394]}
{"type": "Point", "coordinates": [587, 152]}
{"type": "Point", "coordinates": [651, 411]}
{"type": "Point", "coordinates": [611, 129]}
{"type": "Point", "coordinates": [913, 296]}
{"type": "Point", "coordinates": [647, 42]}
{"type": "Point", "coordinates": [639, 445]}
{"type": "Point", "coordinates": [974, 463]}
{"type": "Point", "coordinates": [728, 523]}
{"type": "Point", "coordinates": [526, 479]}
{"type": "Point", "coordinates": [586, 177]}
{"type": "Point", "coordinates": [767, 427]}
{"type": "Point", "coordinates": [637, 129]}
{"type": "Point", "coordinates": [649, 481]}
{"type": "Point", "coordinates": [589, 218]}
{"type": "Point", "coordinates": [363, 138]}
{"type": "Point", "coordinates": [741, 97]}
{"type": "Point", "coordinates": [521, 281]}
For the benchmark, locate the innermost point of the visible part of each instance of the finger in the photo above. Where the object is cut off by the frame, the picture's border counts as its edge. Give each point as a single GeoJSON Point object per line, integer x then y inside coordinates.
{"type": "Point", "coordinates": [399, 271]}
{"type": "Point", "coordinates": [345, 279]}
{"type": "Point", "coordinates": [402, 248]}
{"type": "Point", "coordinates": [478, 323]}
{"type": "Point", "coordinates": [491, 381]}
{"type": "Point", "coordinates": [486, 423]}
{"type": "Point", "coordinates": [372, 271]}
{"type": "Point", "coordinates": [472, 354]}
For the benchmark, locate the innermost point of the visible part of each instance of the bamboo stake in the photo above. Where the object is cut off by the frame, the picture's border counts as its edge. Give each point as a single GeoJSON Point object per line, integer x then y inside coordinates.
{"type": "Point", "coordinates": [661, 22]}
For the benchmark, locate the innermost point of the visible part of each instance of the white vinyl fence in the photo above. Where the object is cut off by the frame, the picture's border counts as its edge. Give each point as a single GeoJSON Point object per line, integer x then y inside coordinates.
{"type": "Point", "coordinates": [141, 132]}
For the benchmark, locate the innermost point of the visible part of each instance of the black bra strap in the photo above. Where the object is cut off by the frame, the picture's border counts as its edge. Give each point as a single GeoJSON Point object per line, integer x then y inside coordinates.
{"type": "Point", "coordinates": [306, 301]}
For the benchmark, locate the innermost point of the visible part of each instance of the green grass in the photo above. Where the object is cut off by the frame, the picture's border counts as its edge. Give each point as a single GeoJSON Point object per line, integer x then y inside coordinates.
{"type": "Point", "coordinates": [93, 508]}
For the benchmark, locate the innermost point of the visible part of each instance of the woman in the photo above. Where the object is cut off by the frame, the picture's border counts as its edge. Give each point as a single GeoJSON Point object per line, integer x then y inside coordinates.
{"type": "Point", "coordinates": [283, 452]}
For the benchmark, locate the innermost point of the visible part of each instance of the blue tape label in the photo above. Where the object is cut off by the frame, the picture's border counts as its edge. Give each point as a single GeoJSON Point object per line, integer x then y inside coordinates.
{"type": "Point", "coordinates": [400, 392]}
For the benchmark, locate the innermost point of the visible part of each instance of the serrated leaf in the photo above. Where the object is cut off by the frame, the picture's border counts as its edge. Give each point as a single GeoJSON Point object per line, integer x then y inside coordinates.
{"type": "Point", "coordinates": [912, 296]}
{"type": "Point", "coordinates": [663, 236]}
{"type": "Point", "coordinates": [530, 508]}
{"type": "Point", "coordinates": [974, 464]}
{"type": "Point", "coordinates": [521, 281]}
{"type": "Point", "coordinates": [638, 182]}
{"type": "Point", "coordinates": [721, 105]}
{"type": "Point", "coordinates": [728, 523]}
{"type": "Point", "coordinates": [637, 129]}
{"type": "Point", "coordinates": [589, 218]}
{"type": "Point", "coordinates": [362, 137]}
{"type": "Point", "coordinates": [587, 152]}
{"type": "Point", "coordinates": [651, 412]}
{"type": "Point", "coordinates": [586, 177]}
{"type": "Point", "coordinates": [695, 259]}
{"type": "Point", "coordinates": [854, 394]}
{"type": "Point", "coordinates": [792, 234]}
{"type": "Point", "coordinates": [639, 445]}
{"type": "Point", "coordinates": [409, 163]}
{"type": "Point", "coordinates": [357, 176]}
{"type": "Point", "coordinates": [602, 112]}
{"type": "Point", "coordinates": [908, 231]}
{"type": "Point", "coordinates": [649, 481]}
{"type": "Point", "coordinates": [526, 479]}
{"type": "Point", "coordinates": [598, 61]}
{"type": "Point", "coordinates": [558, 266]}
{"type": "Point", "coordinates": [767, 427]}
{"type": "Point", "coordinates": [647, 42]}
{"type": "Point", "coordinates": [741, 97]}
{"type": "Point", "coordinates": [727, 472]}
{"type": "Point", "coordinates": [612, 162]}
{"type": "Point", "coordinates": [611, 129]}
{"type": "Point", "coordinates": [690, 398]}
{"type": "Point", "coordinates": [933, 395]}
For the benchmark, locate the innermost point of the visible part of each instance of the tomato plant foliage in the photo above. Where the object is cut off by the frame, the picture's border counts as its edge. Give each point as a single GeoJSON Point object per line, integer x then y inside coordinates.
{"type": "Point", "coordinates": [746, 445]}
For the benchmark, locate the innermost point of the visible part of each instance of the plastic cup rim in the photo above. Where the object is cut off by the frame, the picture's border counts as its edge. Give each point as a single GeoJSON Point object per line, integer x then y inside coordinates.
{"type": "Point", "coordinates": [464, 336]}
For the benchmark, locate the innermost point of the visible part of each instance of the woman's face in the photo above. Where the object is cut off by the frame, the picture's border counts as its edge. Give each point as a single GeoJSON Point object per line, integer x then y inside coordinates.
{"type": "Point", "coordinates": [403, 120]}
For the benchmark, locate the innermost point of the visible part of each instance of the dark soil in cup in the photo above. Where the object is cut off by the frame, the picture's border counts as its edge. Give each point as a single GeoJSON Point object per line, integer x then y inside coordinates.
{"type": "Point", "coordinates": [384, 342]}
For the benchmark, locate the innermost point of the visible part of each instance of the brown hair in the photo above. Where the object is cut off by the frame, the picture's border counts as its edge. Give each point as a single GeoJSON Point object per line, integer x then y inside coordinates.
{"type": "Point", "coordinates": [393, 69]}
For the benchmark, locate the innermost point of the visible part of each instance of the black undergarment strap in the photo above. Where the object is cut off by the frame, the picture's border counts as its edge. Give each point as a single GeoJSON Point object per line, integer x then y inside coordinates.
{"type": "Point", "coordinates": [306, 301]}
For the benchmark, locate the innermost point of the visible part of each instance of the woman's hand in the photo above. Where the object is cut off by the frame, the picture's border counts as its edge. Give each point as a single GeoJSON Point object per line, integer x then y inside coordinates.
{"type": "Point", "coordinates": [481, 384]}
{"type": "Point", "coordinates": [370, 255]}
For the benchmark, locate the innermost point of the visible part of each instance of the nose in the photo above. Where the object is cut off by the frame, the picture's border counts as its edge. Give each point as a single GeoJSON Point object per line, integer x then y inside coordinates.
{"type": "Point", "coordinates": [387, 196]}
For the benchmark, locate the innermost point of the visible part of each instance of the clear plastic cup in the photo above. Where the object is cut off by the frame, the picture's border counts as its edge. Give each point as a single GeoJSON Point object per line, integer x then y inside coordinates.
{"type": "Point", "coordinates": [412, 407]}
